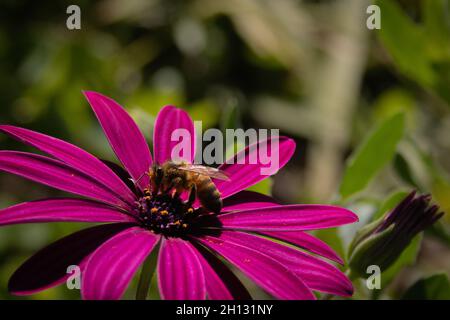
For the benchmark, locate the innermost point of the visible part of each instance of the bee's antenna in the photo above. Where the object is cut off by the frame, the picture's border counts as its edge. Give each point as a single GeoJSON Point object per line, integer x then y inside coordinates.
{"type": "Point", "coordinates": [135, 182]}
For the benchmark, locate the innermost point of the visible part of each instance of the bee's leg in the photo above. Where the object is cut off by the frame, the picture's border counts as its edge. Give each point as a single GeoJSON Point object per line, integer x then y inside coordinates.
{"type": "Point", "coordinates": [178, 191]}
{"type": "Point", "coordinates": [156, 178]}
{"type": "Point", "coordinates": [176, 184]}
{"type": "Point", "coordinates": [192, 195]}
{"type": "Point", "coordinates": [166, 187]}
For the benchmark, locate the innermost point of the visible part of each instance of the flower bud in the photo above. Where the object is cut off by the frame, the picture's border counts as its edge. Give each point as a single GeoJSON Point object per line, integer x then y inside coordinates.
{"type": "Point", "coordinates": [381, 242]}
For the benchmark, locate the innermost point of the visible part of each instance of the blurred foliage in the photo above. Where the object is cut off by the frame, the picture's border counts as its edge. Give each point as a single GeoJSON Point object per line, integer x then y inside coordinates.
{"type": "Point", "coordinates": [434, 287]}
{"type": "Point", "coordinates": [369, 110]}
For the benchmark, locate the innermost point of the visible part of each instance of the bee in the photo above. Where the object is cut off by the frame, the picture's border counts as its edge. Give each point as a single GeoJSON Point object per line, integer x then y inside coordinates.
{"type": "Point", "coordinates": [183, 176]}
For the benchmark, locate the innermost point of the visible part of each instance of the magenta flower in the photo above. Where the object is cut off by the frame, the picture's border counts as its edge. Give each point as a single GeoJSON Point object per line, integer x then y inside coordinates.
{"type": "Point", "coordinates": [188, 264]}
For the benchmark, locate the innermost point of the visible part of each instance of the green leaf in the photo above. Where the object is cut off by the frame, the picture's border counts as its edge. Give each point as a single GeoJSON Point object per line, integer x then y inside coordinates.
{"type": "Point", "coordinates": [437, 26]}
{"type": "Point", "coordinates": [406, 42]}
{"type": "Point", "coordinates": [373, 154]}
{"type": "Point", "coordinates": [264, 187]}
{"type": "Point", "coordinates": [441, 190]}
{"type": "Point", "coordinates": [404, 171]}
{"type": "Point", "coordinates": [394, 101]}
{"type": "Point", "coordinates": [436, 287]}
{"type": "Point", "coordinates": [440, 182]}
{"type": "Point", "coordinates": [419, 51]}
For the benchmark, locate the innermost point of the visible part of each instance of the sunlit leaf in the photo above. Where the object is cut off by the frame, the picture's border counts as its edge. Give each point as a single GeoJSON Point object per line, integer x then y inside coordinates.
{"type": "Point", "coordinates": [440, 183]}
{"type": "Point", "coordinates": [395, 101]}
{"type": "Point", "coordinates": [374, 153]}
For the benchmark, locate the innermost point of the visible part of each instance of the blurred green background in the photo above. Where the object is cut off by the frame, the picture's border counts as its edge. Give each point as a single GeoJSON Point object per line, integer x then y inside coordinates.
{"type": "Point", "coordinates": [369, 109]}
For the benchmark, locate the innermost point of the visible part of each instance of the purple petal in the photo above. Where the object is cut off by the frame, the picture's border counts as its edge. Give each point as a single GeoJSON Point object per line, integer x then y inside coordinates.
{"type": "Point", "coordinates": [58, 210]}
{"type": "Point", "coordinates": [220, 281]}
{"type": "Point", "coordinates": [288, 218]}
{"type": "Point", "coordinates": [242, 176]}
{"type": "Point", "coordinates": [48, 267]}
{"type": "Point", "coordinates": [123, 135]}
{"type": "Point", "coordinates": [246, 200]}
{"type": "Point", "coordinates": [315, 273]}
{"type": "Point", "coordinates": [180, 273]}
{"type": "Point", "coordinates": [272, 276]}
{"type": "Point", "coordinates": [56, 174]}
{"type": "Point", "coordinates": [73, 156]}
{"type": "Point", "coordinates": [305, 241]}
{"type": "Point", "coordinates": [122, 174]}
{"type": "Point", "coordinates": [111, 267]}
{"type": "Point", "coordinates": [168, 120]}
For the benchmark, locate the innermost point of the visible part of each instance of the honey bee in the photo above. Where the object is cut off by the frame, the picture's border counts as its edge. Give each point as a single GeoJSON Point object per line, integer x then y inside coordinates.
{"type": "Point", "coordinates": [183, 176]}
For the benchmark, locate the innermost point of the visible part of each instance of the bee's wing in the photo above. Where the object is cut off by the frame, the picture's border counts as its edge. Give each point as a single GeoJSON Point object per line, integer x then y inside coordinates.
{"type": "Point", "coordinates": [206, 171]}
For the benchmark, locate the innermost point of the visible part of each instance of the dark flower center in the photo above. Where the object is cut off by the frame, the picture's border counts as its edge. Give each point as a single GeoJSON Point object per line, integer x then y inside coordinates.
{"type": "Point", "coordinates": [166, 214]}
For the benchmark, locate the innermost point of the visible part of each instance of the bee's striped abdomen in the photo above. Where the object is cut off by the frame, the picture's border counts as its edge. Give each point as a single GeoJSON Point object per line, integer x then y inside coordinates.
{"type": "Point", "coordinates": [208, 195]}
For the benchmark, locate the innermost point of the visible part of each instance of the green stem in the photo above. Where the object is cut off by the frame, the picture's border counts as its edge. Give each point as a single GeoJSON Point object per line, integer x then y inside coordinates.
{"type": "Point", "coordinates": [145, 278]}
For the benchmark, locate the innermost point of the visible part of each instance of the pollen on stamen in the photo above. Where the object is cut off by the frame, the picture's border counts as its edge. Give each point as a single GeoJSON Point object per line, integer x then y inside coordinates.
{"type": "Point", "coordinates": [165, 213]}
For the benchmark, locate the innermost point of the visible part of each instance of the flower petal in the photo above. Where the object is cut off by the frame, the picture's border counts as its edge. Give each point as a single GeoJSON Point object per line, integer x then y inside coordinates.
{"type": "Point", "coordinates": [267, 272]}
{"type": "Point", "coordinates": [305, 241]}
{"type": "Point", "coordinates": [123, 135]}
{"type": "Point", "coordinates": [56, 174]}
{"type": "Point", "coordinates": [243, 173]}
{"type": "Point", "coordinates": [180, 273]}
{"type": "Point", "coordinates": [48, 267]}
{"type": "Point", "coordinates": [111, 267]}
{"type": "Point", "coordinates": [246, 200]}
{"type": "Point", "coordinates": [58, 210]}
{"type": "Point", "coordinates": [168, 120]}
{"type": "Point", "coordinates": [315, 273]}
{"type": "Point", "coordinates": [73, 156]}
{"type": "Point", "coordinates": [288, 218]}
{"type": "Point", "coordinates": [122, 174]}
{"type": "Point", "coordinates": [220, 281]}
